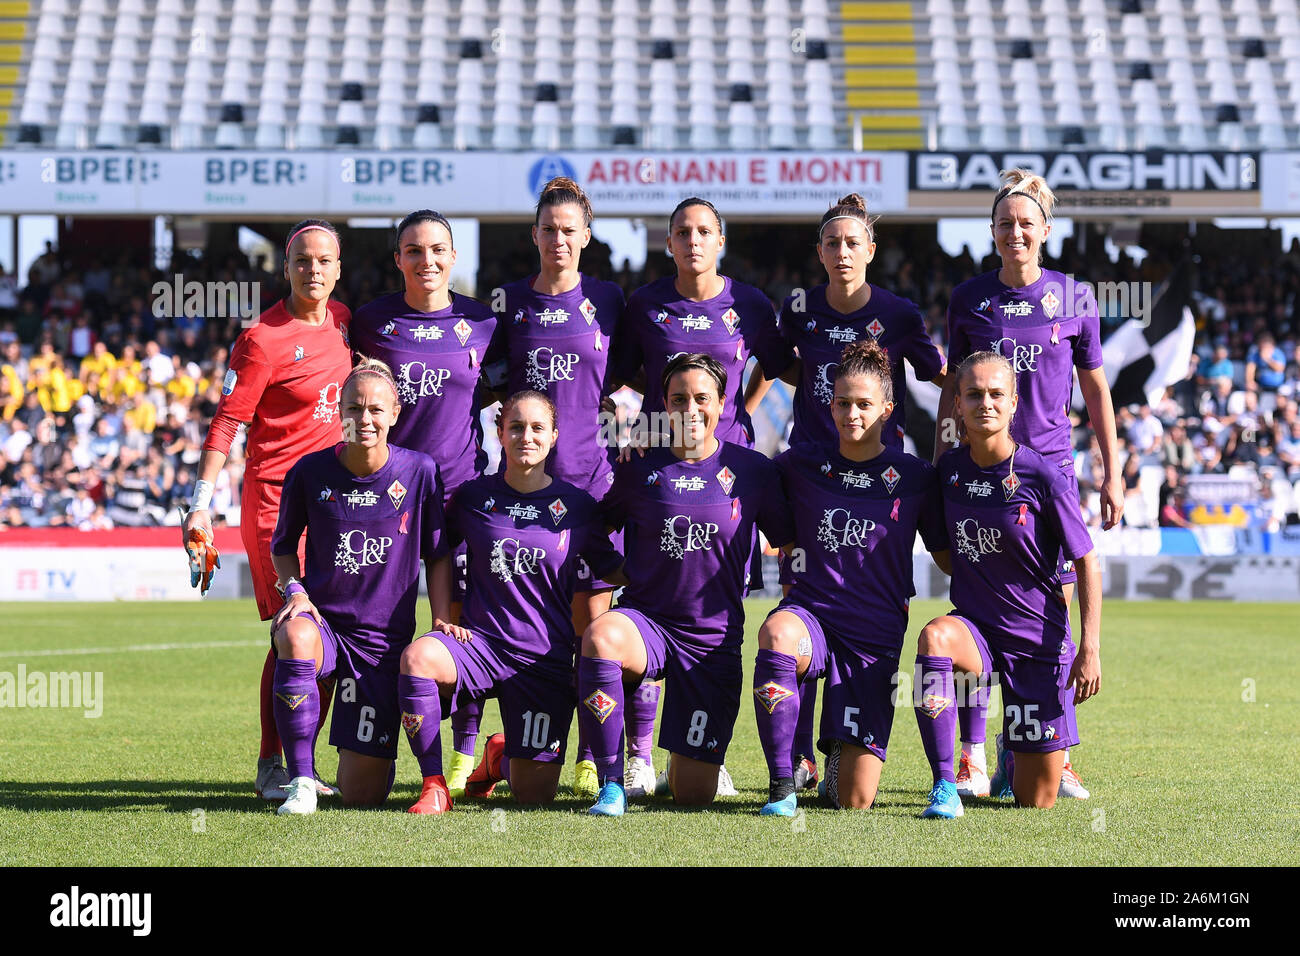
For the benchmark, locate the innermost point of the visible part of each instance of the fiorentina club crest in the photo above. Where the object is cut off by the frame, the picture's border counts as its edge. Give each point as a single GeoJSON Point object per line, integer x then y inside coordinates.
{"type": "Point", "coordinates": [557, 510]}
{"type": "Point", "coordinates": [771, 694]}
{"type": "Point", "coordinates": [600, 704]}
{"type": "Point", "coordinates": [875, 328]}
{"type": "Point", "coordinates": [730, 320]}
{"type": "Point", "coordinates": [588, 311]}
{"type": "Point", "coordinates": [890, 476]}
{"type": "Point", "coordinates": [726, 477]}
{"type": "Point", "coordinates": [396, 493]}
{"type": "Point", "coordinates": [292, 701]}
{"type": "Point", "coordinates": [462, 330]}
{"type": "Point", "coordinates": [932, 705]}
{"type": "Point", "coordinates": [411, 723]}
{"type": "Point", "coordinates": [1050, 303]}
{"type": "Point", "coordinates": [1009, 485]}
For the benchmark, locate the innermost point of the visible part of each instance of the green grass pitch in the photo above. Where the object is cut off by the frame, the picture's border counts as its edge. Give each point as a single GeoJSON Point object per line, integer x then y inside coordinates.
{"type": "Point", "coordinates": [1188, 752]}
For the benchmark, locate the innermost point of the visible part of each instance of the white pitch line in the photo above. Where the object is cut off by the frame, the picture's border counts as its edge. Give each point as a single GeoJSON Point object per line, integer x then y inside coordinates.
{"type": "Point", "coordinates": [129, 649]}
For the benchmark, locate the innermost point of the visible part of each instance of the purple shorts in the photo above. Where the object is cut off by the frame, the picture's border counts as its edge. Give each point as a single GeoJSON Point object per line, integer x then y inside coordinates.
{"type": "Point", "coordinates": [536, 697]}
{"type": "Point", "coordinates": [702, 692]}
{"type": "Point", "coordinates": [858, 702]}
{"type": "Point", "coordinates": [366, 716]}
{"type": "Point", "coordinates": [1037, 699]}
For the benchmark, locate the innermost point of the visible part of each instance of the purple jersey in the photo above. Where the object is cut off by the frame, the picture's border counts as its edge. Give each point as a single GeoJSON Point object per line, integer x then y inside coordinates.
{"type": "Point", "coordinates": [437, 359]}
{"type": "Point", "coordinates": [1006, 534]}
{"type": "Point", "coordinates": [855, 526]}
{"type": "Point", "coordinates": [739, 322]}
{"type": "Point", "coordinates": [366, 541]}
{"type": "Point", "coordinates": [820, 333]}
{"type": "Point", "coordinates": [560, 345]}
{"type": "Point", "coordinates": [523, 561]}
{"type": "Point", "coordinates": [1044, 329]}
{"type": "Point", "coordinates": [688, 527]}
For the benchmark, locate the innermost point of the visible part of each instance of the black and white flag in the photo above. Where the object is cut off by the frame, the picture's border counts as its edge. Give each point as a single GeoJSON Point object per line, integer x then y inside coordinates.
{"type": "Point", "coordinates": [1147, 354]}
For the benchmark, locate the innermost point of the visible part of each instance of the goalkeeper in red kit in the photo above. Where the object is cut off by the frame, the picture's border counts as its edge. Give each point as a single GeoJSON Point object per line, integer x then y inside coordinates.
{"type": "Point", "coordinates": [283, 382]}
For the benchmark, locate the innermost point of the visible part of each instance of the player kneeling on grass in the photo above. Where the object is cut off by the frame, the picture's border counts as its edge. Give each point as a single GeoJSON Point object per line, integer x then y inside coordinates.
{"type": "Point", "coordinates": [688, 514]}
{"type": "Point", "coordinates": [374, 510]}
{"type": "Point", "coordinates": [860, 505]}
{"type": "Point", "coordinates": [524, 533]}
{"type": "Point", "coordinates": [1009, 513]}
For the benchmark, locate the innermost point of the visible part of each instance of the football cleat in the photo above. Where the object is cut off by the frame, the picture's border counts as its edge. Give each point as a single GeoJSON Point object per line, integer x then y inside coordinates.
{"type": "Point", "coordinates": [1071, 785]}
{"type": "Point", "coordinates": [611, 801]}
{"type": "Point", "coordinates": [639, 778]}
{"type": "Point", "coordinates": [434, 797]}
{"type": "Point", "coordinates": [944, 802]}
{"type": "Point", "coordinates": [324, 789]}
{"type": "Point", "coordinates": [272, 779]}
{"type": "Point", "coordinates": [460, 767]}
{"type": "Point", "coordinates": [301, 798]}
{"type": "Point", "coordinates": [484, 780]}
{"type": "Point", "coordinates": [972, 779]}
{"type": "Point", "coordinates": [1000, 785]}
{"type": "Point", "coordinates": [586, 782]}
{"type": "Point", "coordinates": [726, 786]}
{"type": "Point", "coordinates": [781, 800]}
{"type": "Point", "coordinates": [829, 789]}
{"type": "Point", "coordinates": [805, 774]}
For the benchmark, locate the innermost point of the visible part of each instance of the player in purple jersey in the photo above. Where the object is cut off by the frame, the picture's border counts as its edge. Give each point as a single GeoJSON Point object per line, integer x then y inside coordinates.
{"type": "Point", "coordinates": [438, 344]}
{"type": "Point", "coordinates": [1009, 514]}
{"type": "Point", "coordinates": [1047, 326]}
{"type": "Point", "coordinates": [559, 326]}
{"type": "Point", "coordinates": [525, 531]}
{"type": "Point", "coordinates": [688, 514]}
{"type": "Point", "coordinates": [847, 308]}
{"type": "Point", "coordinates": [861, 505]}
{"type": "Point", "coordinates": [818, 324]}
{"type": "Point", "coordinates": [375, 510]}
{"type": "Point", "coordinates": [697, 310]}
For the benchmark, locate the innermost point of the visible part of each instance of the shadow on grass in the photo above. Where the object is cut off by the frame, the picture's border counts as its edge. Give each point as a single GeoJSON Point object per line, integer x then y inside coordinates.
{"type": "Point", "coordinates": [174, 796]}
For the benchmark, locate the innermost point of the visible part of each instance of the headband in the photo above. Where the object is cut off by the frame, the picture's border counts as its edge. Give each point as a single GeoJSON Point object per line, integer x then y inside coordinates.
{"type": "Point", "coordinates": [1012, 191]}
{"type": "Point", "coordinates": [288, 245]}
{"type": "Point", "coordinates": [823, 226]}
{"type": "Point", "coordinates": [360, 370]}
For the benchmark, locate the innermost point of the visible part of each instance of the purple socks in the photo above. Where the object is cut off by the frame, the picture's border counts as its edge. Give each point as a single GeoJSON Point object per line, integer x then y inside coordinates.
{"type": "Point", "coordinates": [296, 705]}
{"type": "Point", "coordinates": [777, 709]}
{"type": "Point", "coordinates": [600, 713]}
{"type": "Point", "coordinates": [641, 710]}
{"type": "Point", "coordinates": [422, 720]}
{"type": "Point", "coordinates": [936, 713]}
{"type": "Point", "coordinates": [464, 727]}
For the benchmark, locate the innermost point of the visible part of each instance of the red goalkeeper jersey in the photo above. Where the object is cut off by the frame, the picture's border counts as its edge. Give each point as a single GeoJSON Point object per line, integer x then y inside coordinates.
{"type": "Point", "coordinates": [284, 380]}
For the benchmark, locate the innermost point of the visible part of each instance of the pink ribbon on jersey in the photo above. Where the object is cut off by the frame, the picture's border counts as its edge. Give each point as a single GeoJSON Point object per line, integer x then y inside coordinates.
{"type": "Point", "coordinates": [1020, 519]}
{"type": "Point", "coordinates": [894, 514]}
{"type": "Point", "coordinates": [1056, 333]}
{"type": "Point", "coordinates": [735, 508]}
{"type": "Point", "coordinates": [564, 539]}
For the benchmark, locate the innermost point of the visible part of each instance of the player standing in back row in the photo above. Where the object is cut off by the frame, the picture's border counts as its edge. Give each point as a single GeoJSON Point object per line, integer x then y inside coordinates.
{"type": "Point", "coordinates": [438, 344]}
{"type": "Point", "coordinates": [559, 326]}
{"type": "Point", "coordinates": [1047, 326]}
{"type": "Point", "coordinates": [819, 324]}
{"type": "Point", "coordinates": [283, 380]}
